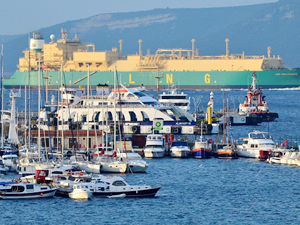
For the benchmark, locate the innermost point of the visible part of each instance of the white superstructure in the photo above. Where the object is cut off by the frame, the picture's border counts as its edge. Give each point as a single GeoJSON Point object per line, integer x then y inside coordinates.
{"type": "Point", "coordinates": [255, 142]}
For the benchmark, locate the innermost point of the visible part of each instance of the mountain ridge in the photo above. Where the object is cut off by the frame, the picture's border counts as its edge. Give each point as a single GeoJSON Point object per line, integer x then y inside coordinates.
{"type": "Point", "coordinates": [251, 29]}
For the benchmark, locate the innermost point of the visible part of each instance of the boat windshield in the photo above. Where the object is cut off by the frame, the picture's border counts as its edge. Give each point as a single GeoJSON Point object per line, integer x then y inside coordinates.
{"type": "Point", "coordinates": [153, 146]}
{"type": "Point", "coordinates": [179, 143]}
{"type": "Point", "coordinates": [260, 136]}
{"type": "Point", "coordinates": [139, 94]}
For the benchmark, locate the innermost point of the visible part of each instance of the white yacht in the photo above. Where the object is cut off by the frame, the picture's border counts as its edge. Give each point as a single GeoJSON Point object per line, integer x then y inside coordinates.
{"type": "Point", "coordinates": [257, 145]}
{"type": "Point", "coordinates": [173, 98]}
{"type": "Point", "coordinates": [80, 191]}
{"type": "Point", "coordinates": [180, 149]}
{"type": "Point", "coordinates": [155, 146]}
{"type": "Point", "coordinates": [11, 161]}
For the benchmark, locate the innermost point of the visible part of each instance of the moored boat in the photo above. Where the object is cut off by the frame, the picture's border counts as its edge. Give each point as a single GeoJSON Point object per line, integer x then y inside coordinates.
{"type": "Point", "coordinates": [179, 149]}
{"type": "Point", "coordinates": [256, 104]}
{"type": "Point", "coordinates": [80, 191]}
{"type": "Point", "coordinates": [257, 145]}
{"type": "Point", "coordinates": [103, 186]}
{"type": "Point", "coordinates": [28, 191]}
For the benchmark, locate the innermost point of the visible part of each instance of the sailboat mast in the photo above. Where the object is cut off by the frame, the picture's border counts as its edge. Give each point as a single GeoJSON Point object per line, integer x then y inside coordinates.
{"type": "Point", "coordinates": [88, 115]}
{"type": "Point", "coordinates": [114, 117]}
{"type": "Point", "coordinates": [2, 125]}
{"type": "Point", "coordinates": [29, 105]}
{"type": "Point", "coordinates": [62, 109]}
{"type": "Point", "coordinates": [39, 108]}
{"type": "Point", "coordinates": [224, 116]}
{"type": "Point", "coordinates": [227, 123]}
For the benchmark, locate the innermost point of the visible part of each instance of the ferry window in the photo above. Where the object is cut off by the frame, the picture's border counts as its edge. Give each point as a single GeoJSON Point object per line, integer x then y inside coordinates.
{"type": "Point", "coordinates": [245, 142]}
{"type": "Point", "coordinates": [252, 146]}
{"type": "Point", "coordinates": [150, 103]}
{"type": "Point", "coordinates": [158, 138]}
{"type": "Point", "coordinates": [139, 94]}
{"type": "Point", "coordinates": [43, 188]}
{"type": "Point", "coordinates": [119, 183]}
{"type": "Point", "coordinates": [130, 95]}
{"type": "Point", "coordinates": [256, 146]}
{"type": "Point", "coordinates": [132, 116]}
{"type": "Point", "coordinates": [57, 172]}
{"type": "Point", "coordinates": [29, 186]}
{"type": "Point", "coordinates": [181, 104]}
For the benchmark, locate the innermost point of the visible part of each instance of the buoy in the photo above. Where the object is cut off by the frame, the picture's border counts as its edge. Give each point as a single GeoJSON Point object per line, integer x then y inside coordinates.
{"type": "Point", "coordinates": [42, 194]}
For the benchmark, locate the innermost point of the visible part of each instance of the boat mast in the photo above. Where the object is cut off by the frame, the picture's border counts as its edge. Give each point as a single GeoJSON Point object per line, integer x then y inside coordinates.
{"type": "Point", "coordinates": [39, 109]}
{"type": "Point", "coordinates": [62, 109]}
{"type": "Point", "coordinates": [2, 125]}
{"type": "Point", "coordinates": [115, 95]}
{"type": "Point", "coordinates": [29, 105]}
{"type": "Point", "coordinates": [227, 124]}
{"type": "Point", "coordinates": [224, 116]}
{"type": "Point", "coordinates": [88, 115]}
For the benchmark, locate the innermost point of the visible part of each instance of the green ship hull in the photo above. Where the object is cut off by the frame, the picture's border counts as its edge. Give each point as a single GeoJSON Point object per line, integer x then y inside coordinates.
{"type": "Point", "coordinates": [189, 80]}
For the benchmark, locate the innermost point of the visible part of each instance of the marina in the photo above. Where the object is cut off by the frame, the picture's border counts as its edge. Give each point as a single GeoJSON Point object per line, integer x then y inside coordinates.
{"type": "Point", "coordinates": [121, 143]}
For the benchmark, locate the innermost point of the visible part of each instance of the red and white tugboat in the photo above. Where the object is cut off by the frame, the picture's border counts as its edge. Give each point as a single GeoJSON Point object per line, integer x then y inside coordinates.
{"type": "Point", "coordinates": [256, 104]}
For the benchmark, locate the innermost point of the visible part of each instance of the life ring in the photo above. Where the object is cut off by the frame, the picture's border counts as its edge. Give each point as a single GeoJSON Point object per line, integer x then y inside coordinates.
{"type": "Point", "coordinates": [168, 129]}
{"type": "Point", "coordinates": [190, 129]}
{"type": "Point", "coordinates": [134, 129]}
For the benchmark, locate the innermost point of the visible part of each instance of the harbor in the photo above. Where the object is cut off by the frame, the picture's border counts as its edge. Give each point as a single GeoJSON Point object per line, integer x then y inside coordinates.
{"type": "Point", "coordinates": [84, 147]}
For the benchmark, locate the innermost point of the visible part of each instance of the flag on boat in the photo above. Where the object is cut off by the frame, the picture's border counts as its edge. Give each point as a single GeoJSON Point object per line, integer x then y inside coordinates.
{"type": "Point", "coordinates": [285, 143]}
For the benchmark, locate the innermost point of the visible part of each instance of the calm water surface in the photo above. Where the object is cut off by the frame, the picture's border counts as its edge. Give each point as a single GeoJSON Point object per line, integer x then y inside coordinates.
{"type": "Point", "coordinates": [211, 191]}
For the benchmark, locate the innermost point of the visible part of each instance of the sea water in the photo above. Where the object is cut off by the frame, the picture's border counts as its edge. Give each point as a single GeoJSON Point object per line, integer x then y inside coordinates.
{"type": "Point", "coordinates": [210, 191]}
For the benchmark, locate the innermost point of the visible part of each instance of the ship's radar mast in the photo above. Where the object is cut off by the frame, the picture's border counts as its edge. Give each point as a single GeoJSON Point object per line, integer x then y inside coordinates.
{"type": "Point", "coordinates": [227, 47]}
{"type": "Point", "coordinates": [63, 33]}
{"type": "Point", "coordinates": [269, 52]}
{"type": "Point", "coordinates": [52, 37]}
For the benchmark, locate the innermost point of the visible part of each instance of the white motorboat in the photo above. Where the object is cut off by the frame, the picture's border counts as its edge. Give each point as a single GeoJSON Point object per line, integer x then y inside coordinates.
{"type": "Point", "coordinates": [10, 160]}
{"type": "Point", "coordinates": [116, 186]}
{"type": "Point", "coordinates": [173, 98]}
{"type": "Point", "coordinates": [279, 156]}
{"type": "Point", "coordinates": [3, 169]}
{"type": "Point", "coordinates": [292, 158]}
{"type": "Point", "coordinates": [28, 191]}
{"type": "Point", "coordinates": [257, 145]}
{"type": "Point", "coordinates": [80, 191]}
{"type": "Point", "coordinates": [180, 149]}
{"type": "Point", "coordinates": [135, 162]}
{"type": "Point", "coordinates": [155, 146]}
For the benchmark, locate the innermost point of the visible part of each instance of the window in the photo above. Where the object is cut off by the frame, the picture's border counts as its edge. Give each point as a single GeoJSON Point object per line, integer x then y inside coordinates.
{"type": "Point", "coordinates": [252, 145]}
{"type": "Point", "coordinates": [29, 186]}
{"type": "Point", "coordinates": [119, 183]}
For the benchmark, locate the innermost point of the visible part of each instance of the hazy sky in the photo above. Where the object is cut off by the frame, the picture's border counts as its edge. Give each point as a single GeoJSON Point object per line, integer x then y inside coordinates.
{"type": "Point", "coordinates": [23, 16]}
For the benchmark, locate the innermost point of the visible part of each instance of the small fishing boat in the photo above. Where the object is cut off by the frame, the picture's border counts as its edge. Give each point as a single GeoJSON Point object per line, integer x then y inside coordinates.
{"type": "Point", "coordinates": [180, 149]}
{"type": "Point", "coordinates": [226, 152]}
{"type": "Point", "coordinates": [116, 186]}
{"type": "Point", "coordinates": [80, 191]}
{"type": "Point", "coordinates": [27, 191]}
{"type": "Point", "coordinates": [202, 148]}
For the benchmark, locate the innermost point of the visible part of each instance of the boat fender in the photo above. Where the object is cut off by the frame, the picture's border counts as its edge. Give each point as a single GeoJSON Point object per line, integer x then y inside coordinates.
{"type": "Point", "coordinates": [42, 194]}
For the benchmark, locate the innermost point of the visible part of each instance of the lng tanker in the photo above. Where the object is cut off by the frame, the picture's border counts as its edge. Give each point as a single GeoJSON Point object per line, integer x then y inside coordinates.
{"type": "Point", "coordinates": [66, 60]}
